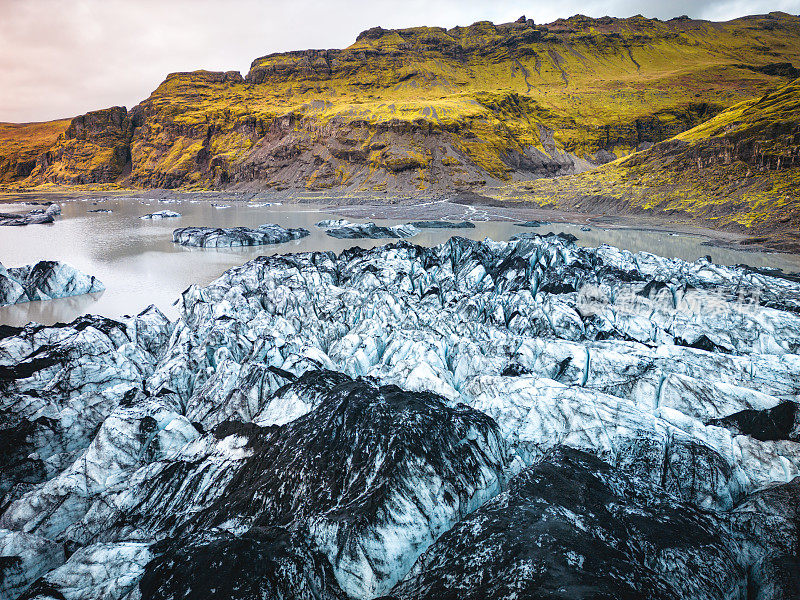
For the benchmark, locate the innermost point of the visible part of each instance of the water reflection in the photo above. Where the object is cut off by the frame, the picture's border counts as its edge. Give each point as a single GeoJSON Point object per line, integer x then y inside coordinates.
{"type": "Point", "coordinates": [62, 310]}
{"type": "Point", "coordinates": [140, 265]}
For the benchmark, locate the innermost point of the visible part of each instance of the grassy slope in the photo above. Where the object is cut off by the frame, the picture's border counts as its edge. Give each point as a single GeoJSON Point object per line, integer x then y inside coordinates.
{"type": "Point", "coordinates": [739, 170]}
{"type": "Point", "coordinates": [582, 76]}
{"type": "Point", "coordinates": [492, 86]}
{"type": "Point", "coordinates": [22, 143]}
{"type": "Point", "coordinates": [459, 101]}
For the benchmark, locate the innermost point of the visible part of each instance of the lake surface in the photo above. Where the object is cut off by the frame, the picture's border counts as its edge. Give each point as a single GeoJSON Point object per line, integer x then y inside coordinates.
{"type": "Point", "coordinates": [140, 265]}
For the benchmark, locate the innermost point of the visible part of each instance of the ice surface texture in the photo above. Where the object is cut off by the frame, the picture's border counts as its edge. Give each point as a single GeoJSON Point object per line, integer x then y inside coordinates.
{"type": "Point", "coordinates": [216, 237]}
{"type": "Point", "coordinates": [517, 419]}
{"type": "Point", "coordinates": [46, 280]}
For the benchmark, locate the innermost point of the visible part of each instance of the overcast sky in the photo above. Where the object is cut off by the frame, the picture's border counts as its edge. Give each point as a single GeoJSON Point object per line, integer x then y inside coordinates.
{"type": "Point", "coordinates": [61, 58]}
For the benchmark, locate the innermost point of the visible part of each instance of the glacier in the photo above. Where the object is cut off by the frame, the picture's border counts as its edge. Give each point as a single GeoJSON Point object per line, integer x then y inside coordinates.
{"type": "Point", "coordinates": [473, 420]}
{"type": "Point", "coordinates": [231, 237]}
{"type": "Point", "coordinates": [45, 280]}
{"type": "Point", "coordinates": [162, 214]}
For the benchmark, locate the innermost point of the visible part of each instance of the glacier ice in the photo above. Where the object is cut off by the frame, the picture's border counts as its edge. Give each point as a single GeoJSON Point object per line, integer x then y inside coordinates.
{"type": "Point", "coordinates": [161, 214]}
{"type": "Point", "coordinates": [370, 423]}
{"type": "Point", "coordinates": [218, 237]}
{"type": "Point", "coordinates": [44, 280]}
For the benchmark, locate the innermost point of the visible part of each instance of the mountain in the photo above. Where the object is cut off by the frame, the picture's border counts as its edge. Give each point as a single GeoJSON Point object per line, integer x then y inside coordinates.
{"type": "Point", "coordinates": [421, 109]}
{"type": "Point", "coordinates": [739, 170]}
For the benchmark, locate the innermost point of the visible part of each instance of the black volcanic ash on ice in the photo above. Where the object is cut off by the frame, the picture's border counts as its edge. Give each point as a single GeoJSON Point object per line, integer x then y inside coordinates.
{"type": "Point", "coordinates": [473, 420]}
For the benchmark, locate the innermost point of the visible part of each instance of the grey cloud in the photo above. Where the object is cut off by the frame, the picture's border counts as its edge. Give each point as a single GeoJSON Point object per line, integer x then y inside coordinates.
{"type": "Point", "coordinates": [59, 59]}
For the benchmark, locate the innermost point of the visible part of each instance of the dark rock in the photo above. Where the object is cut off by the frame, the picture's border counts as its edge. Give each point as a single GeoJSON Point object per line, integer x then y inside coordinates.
{"type": "Point", "coordinates": [781, 422]}
{"type": "Point", "coordinates": [514, 370]}
{"type": "Point", "coordinates": [265, 562]}
{"type": "Point", "coordinates": [781, 69]}
{"type": "Point", "coordinates": [702, 342]}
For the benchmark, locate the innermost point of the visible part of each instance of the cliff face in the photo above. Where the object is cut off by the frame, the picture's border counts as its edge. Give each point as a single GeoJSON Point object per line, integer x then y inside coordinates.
{"type": "Point", "coordinates": [95, 148]}
{"type": "Point", "coordinates": [740, 169]}
{"type": "Point", "coordinates": [412, 109]}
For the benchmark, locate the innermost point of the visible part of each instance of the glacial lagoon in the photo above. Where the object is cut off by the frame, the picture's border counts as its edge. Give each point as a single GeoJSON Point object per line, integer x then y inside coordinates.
{"type": "Point", "coordinates": [140, 265]}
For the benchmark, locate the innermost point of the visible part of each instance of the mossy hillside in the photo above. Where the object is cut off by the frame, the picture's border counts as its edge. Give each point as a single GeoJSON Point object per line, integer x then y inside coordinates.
{"type": "Point", "coordinates": [739, 170]}
{"type": "Point", "coordinates": [483, 91]}
{"type": "Point", "coordinates": [189, 125]}
{"type": "Point", "coordinates": [22, 143]}
{"type": "Point", "coordinates": [602, 74]}
{"type": "Point", "coordinates": [93, 149]}
{"type": "Point", "coordinates": [484, 103]}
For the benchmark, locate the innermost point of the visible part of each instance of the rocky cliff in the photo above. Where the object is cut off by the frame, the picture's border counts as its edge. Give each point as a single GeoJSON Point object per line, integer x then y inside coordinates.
{"type": "Point", "coordinates": [426, 107]}
{"type": "Point", "coordinates": [94, 148]}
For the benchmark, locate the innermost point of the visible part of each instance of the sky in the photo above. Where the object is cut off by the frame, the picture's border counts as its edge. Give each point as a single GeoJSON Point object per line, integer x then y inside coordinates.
{"type": "Point", "coordinates": [61, 58]}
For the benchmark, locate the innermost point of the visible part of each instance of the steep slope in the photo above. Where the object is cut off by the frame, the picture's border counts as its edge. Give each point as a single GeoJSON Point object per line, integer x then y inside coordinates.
{"type": "Point", "coordinates": [740, 169]}
{"type": "Point", "coordinates": [412, 109]}
{"type": "Point", "coordinates": [22, 143]}
{"type": "Point", "coordinates": [94, 148]}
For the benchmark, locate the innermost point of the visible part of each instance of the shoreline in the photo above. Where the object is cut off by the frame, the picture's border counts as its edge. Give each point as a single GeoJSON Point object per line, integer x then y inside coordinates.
{"type": "Point", "coordinates": [436, 205]}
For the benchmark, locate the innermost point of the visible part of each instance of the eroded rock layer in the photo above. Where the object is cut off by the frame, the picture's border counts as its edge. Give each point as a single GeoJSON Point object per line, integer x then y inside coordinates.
{"type": "Point", "coordinates": [517, 419]}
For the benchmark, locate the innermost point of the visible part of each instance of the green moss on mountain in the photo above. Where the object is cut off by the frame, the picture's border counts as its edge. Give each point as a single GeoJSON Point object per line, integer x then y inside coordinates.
{"type": "Point", "coordinates": [95, 148]}
{"type": "Point", "coordinates": [739, 170]}
{"type": "Point", "coordinates": [22, 143]}
{"type": "Point", "coordinates": [427, 107]}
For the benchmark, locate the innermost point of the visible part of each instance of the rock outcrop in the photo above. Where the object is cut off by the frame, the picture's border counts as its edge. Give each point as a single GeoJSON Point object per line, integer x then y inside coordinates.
{"type": "Point", "coordinates": [95, 148]}
{"type": "Point", "coordinates": [216, 237]}
{"type": "Point", "coordinates": [46, 280]}
{"type": "Point", "coordinates": [474, 420]}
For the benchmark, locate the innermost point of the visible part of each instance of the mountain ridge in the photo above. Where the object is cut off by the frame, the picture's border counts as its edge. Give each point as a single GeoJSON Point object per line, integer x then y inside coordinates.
{"type": "Point", "coordinates": [421, 110]}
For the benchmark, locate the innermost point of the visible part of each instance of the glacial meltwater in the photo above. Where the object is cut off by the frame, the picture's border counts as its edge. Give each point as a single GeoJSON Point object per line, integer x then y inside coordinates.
{"type": "Point", "coordinates": [140, 265]}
